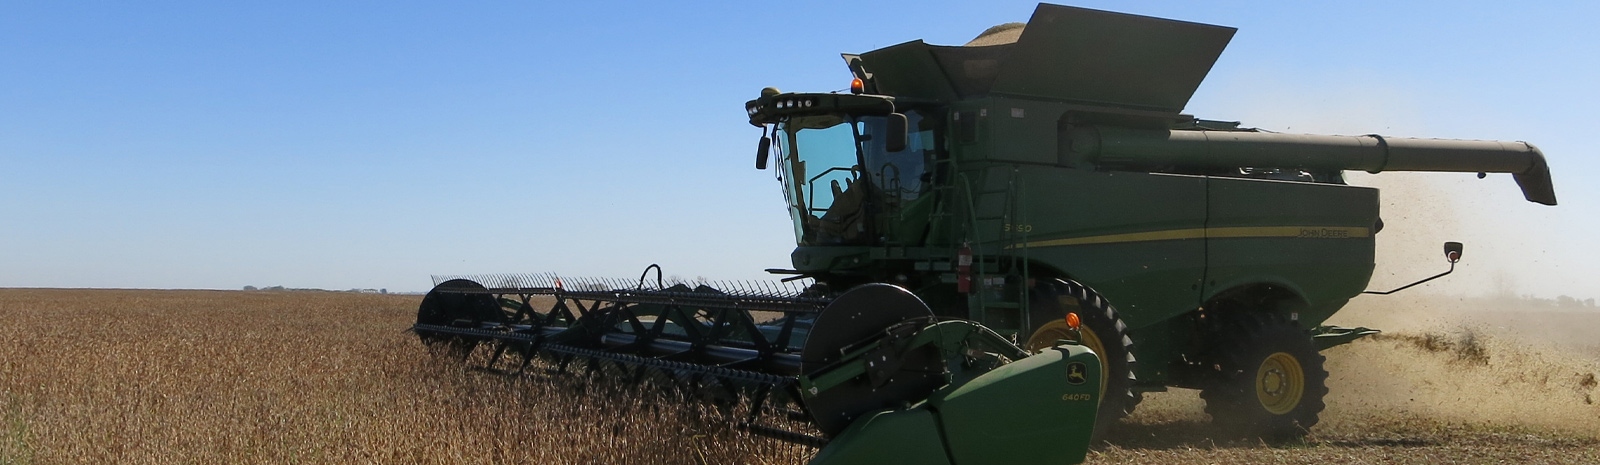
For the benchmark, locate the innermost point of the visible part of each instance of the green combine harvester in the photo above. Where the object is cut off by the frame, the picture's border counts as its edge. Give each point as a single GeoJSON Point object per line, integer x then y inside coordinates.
{"type": "Point", "coordinates": [1001, 246]}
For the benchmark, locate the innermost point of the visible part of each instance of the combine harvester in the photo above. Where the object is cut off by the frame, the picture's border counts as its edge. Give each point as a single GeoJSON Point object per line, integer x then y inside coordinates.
{"type": "Point", "coordinates": [961, 211]}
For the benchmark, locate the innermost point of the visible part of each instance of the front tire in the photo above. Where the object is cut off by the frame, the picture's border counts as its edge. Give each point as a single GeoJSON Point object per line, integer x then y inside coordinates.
{"type": "Point", "coordinates": [1271, 380]}
{"type": "Point", "coordinates": [1102, 330]}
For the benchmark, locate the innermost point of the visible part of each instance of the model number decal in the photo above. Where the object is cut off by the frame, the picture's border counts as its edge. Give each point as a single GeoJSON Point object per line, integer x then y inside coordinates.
{"type": "Point", "coordinates": [1020, 227]}
{"type": "Point", "coordinates": [1078, 397]}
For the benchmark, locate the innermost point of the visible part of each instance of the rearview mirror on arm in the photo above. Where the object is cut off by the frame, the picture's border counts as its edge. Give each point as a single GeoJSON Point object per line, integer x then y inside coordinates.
{"type": "Point", "coordinates": [895, 129]}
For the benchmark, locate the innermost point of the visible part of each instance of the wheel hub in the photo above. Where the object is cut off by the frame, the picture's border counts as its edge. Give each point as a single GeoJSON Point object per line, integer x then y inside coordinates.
{"type": "Point", "coordinates": [1280, 382]}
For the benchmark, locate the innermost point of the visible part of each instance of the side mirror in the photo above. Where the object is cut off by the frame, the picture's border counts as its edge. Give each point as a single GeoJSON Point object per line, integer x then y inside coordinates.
{"type": "Point", "coordinates": [1452, 251]}
{"type": "Point", "coordinates": [895, 128]}
{"type": "Point", "coordinates": [761, 152]}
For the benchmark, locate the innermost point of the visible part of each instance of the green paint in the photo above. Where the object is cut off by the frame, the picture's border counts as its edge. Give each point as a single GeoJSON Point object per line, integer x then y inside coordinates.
{"type": "Point", "coordinates": [1029, 411]}
{"type": "Point", "coordinates": [988, 412]}
{"type": "Point", "coordinates": [888, 436]}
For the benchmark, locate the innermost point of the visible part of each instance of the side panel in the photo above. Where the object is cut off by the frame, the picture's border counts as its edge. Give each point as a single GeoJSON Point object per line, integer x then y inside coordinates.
{"type": "Point", "coordinates": [1023, 130]}
{"type": "Point", "coordinates": [1040, 409]}
{"type": "Point", "coordinates": [1315, 239]}
{"type": "Point", "coordinates": [887, 436]}
{"type": "Point", "coordinates": [1137, 238]}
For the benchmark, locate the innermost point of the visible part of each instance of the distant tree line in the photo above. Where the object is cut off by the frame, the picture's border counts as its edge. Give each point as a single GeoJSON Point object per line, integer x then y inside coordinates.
{"type": "Point", "coordinates": [1562, 301]}
{"type": "Point", "coordinates": [281, 288]}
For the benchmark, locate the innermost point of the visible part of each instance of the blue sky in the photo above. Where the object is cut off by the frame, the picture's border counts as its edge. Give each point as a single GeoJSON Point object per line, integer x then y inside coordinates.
{"type": "Point", "coordinates": [348, 144]}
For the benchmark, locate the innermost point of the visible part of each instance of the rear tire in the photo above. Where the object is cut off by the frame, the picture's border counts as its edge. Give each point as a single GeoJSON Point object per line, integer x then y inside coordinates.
{"type": "Point", "coordinates": [1102, 331]}
{"type": "Point", "coordinates": [1271, 380]}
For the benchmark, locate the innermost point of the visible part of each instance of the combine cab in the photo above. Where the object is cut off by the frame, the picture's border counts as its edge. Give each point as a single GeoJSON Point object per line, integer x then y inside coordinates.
{"type": "Point", "coordinates": [1039, 188]}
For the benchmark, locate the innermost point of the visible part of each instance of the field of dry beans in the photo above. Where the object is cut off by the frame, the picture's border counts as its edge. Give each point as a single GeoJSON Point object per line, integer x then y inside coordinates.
{"type": "Point", "coordinates": [148, 376]}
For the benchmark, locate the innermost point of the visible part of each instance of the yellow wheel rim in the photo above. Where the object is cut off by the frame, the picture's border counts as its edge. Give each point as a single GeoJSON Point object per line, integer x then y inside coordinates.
{"type": "Point", "coordinates": [1280, 383]}
{"type": "Point", "coordinates": [1046, 336]}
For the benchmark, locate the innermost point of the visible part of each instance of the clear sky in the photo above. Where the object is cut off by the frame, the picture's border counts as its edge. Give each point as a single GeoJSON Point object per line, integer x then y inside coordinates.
{"type": "Point", "coordinates": [368, 145]}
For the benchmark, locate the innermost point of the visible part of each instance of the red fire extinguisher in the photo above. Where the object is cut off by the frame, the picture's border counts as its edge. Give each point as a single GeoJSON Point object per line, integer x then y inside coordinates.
{"type": "Point", "coordinates": [964, 269]}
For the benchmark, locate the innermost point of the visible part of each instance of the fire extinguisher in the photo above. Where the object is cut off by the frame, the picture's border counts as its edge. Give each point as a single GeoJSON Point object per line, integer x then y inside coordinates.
{"type": "Point", "coordinates": [964, 269]}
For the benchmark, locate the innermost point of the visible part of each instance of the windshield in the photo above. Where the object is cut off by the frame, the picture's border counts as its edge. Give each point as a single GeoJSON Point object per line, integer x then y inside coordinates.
{"type": "Point", "coordinates": [840, 181]}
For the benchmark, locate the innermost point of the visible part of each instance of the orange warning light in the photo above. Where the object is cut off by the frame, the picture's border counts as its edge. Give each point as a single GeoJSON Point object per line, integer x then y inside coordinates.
{"type": "Point", "coordinates": [1072, 320]}
{"type": "Point", "coordinates": [856, 86]}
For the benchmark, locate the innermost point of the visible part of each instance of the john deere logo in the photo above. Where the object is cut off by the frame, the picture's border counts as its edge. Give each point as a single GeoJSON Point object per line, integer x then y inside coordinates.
{"type": "Point", "coordinates": [1077, 373]}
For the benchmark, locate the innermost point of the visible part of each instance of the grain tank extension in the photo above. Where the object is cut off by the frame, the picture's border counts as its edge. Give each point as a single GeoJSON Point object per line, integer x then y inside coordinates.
{"type": "Point", "coordinates": [1040, 193]}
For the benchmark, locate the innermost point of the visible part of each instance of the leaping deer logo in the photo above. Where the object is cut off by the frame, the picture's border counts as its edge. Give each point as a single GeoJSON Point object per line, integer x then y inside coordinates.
{"type": "Point", "coordinates": [1077, 373]}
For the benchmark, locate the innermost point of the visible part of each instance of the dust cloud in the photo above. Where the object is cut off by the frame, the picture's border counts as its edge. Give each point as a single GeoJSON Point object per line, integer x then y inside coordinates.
{"type": "Point", "coordinates": [1471, 350]}
{"type": "Point", "coordinates": [1446, 363]}
{"type": "Point", "coordinates": [1498, 362]}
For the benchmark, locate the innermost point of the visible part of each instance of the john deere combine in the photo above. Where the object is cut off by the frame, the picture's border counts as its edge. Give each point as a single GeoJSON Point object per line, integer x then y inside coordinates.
{"type": "Point", "coordinates": [962, 209]}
